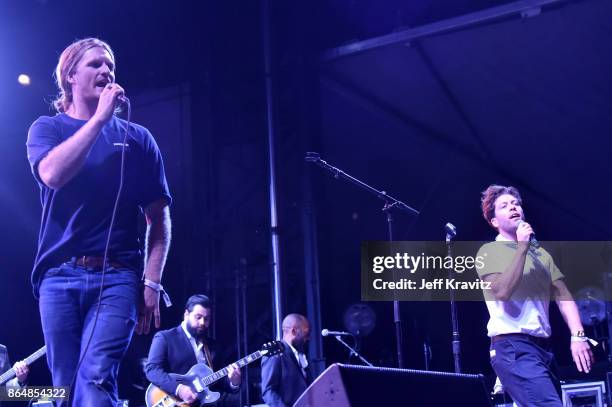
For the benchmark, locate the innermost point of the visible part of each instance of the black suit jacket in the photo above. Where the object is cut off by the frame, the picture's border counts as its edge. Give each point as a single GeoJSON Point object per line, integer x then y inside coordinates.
{"type": "Point", "coordinates": [171, 352]}
{"type": "Point", "coordinates": [282, 381]}
{"type": "Point", "coordinates": [5, 363]}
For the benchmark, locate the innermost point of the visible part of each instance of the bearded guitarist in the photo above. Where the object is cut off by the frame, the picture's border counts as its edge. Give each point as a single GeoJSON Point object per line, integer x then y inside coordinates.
{"type": "Point", "coordinates": [176, 350]}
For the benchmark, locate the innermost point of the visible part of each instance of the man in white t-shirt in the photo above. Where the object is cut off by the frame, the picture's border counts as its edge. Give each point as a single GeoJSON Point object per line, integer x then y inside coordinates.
{"type": "Point", "coordinates": [523, 279]}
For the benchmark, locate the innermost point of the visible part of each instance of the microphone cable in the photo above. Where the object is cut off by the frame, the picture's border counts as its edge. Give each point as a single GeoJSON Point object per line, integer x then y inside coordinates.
{"type": "Point", "coordinates": [108, 238]}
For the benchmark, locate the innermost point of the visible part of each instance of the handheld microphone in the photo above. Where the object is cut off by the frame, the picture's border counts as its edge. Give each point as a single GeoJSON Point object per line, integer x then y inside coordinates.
{"type": "Point", "coordinates": [532, 239]}
{"type": "Point", "coordinates": [327, 332]}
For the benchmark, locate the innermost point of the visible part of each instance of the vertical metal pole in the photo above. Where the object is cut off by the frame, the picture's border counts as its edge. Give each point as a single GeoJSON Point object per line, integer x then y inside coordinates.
{"type": "Point", "coordinates": [245, 338]}
{"type": "Point", "coordinates": [397, 317]}
{"type": "Point", "coordinates": [311, 274]}
{"type": "Point", "coordinates": [454, 317]}
{"type": "Point", "coordinates": [608, 292]}
{"type": "Point", "coordinates": [276, 270]}
{"type": "Point", "coordinates": [238, 309]}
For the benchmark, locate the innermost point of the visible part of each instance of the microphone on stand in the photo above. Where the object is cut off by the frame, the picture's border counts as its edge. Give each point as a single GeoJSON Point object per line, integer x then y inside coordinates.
{"type": "Point", "coordinates": [451, 231]}
{"type": "Point", "coordinates": [312, 157]}
{"type": "Point", "coordinates": [337, 335]}
{"type": "Point", "coordinates": [327, 332]}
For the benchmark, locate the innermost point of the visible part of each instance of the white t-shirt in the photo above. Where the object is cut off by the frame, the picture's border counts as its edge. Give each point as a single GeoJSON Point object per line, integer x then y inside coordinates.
{"type": "Point", "coordinates": [527, 310]}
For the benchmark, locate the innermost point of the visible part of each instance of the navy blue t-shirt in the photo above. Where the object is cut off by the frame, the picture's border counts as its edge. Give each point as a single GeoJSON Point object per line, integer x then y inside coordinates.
{"type": "Point", "coordinates": [76, 217]}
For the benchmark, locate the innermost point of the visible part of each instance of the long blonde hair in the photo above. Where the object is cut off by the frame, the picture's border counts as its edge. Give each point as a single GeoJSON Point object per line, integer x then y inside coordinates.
{"type": "Point", "coordinates": [66, 66]}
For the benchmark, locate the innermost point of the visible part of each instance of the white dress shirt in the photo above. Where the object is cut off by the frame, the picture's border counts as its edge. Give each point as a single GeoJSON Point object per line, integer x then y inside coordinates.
{"type": "Point", "coordinates": [301, 359]}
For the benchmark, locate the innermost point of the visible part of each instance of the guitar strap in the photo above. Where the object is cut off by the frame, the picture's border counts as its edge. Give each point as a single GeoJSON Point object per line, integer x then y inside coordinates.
{"type": "Point", "coordinates": [207, 354]}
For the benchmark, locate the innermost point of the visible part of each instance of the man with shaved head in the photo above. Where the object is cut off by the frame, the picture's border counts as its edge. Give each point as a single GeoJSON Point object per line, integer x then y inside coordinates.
{"type": "Point", "coordinates": [284, 377]}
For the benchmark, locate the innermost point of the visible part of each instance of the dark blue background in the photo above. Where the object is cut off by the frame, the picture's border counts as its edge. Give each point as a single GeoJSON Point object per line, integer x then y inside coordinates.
{"type": "Point", "coordinates": [433, 121]}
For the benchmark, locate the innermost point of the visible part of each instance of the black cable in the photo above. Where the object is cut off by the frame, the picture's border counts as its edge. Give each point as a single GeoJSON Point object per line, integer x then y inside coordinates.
{"type": "Point", "coordinates": [108, 238]}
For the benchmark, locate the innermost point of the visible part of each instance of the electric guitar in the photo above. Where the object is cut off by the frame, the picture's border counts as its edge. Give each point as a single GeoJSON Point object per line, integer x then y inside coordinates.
{"type": "Point", "coordinates": [9, 374]}
{"type": "Point", "coordinates": [200, 377]}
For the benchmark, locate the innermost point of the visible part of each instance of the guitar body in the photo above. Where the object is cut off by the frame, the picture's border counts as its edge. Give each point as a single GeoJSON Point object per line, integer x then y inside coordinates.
{"type": "Point", "coordinates": [156, 397]}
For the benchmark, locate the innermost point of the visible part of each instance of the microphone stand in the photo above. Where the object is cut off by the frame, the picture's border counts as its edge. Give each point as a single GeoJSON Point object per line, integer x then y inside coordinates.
{"type": "Point", "coordinates": [390, 204]}
{"type": "Point", "coordinates": [352, 350]}
{"type": "Point", "coordinates": [451, 232]}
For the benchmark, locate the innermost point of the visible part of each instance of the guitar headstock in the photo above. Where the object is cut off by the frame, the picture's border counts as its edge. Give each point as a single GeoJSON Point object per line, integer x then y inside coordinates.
{"type": "Point", "coordinates": [272, 348]}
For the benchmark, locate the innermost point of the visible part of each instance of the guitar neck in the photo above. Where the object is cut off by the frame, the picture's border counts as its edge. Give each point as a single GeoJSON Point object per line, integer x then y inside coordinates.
{"type": "Point", "coordinates": [35, 356]}
{"type": "Point", "coordinates": [219, 374]}
{"type": "Point", "coordinates": [9, 374]}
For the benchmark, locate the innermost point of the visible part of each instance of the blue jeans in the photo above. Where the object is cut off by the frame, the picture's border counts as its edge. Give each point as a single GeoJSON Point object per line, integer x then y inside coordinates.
{"type": "Point", "coordinates": [68, 303]}
{"type": "Point", "coordinates": [527, 371]}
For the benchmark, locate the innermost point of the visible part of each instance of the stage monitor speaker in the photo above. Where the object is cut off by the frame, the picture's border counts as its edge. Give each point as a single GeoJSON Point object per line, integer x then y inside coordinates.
{"type": "Point", "coordinates": [355, 386]}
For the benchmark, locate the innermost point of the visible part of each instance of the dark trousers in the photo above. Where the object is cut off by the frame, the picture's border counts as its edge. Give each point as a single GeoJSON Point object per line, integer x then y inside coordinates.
{"type": "Point", "coordinates": [68, 302]}
{"type": "Point", "coordinates": [527, 370]}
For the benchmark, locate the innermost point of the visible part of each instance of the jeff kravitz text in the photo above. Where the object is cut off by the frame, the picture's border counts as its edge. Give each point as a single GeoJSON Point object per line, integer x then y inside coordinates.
{"type": "Point", "coordinates": [436, 284]}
